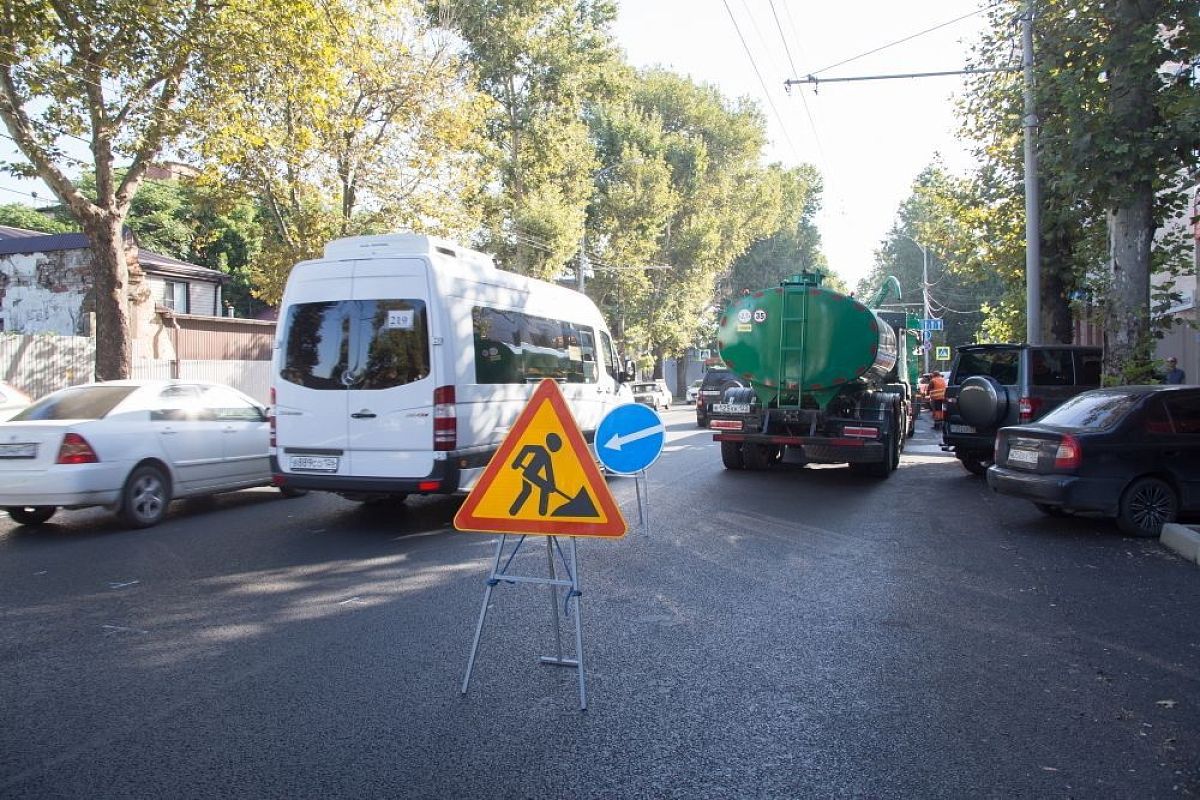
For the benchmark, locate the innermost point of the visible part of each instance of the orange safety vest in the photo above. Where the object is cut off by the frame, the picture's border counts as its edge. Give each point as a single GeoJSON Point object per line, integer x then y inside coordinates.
{"type": "Point", "coordinates": [937, 388]}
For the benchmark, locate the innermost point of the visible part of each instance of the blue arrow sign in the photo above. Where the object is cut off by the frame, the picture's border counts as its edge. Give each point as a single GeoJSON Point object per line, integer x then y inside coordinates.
{"type": "Point", "coordinates": [630, 438]}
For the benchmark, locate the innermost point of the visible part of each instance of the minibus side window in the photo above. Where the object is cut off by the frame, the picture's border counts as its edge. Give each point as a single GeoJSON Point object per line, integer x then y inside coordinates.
{"type": "Point", "coordinates": [513, 347]}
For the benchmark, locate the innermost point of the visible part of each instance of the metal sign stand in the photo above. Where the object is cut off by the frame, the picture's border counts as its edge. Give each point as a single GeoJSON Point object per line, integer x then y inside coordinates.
{"type": "Point", "coordinates": [570, 583]}
{"type": "Point", "coordinates": [643, 500]}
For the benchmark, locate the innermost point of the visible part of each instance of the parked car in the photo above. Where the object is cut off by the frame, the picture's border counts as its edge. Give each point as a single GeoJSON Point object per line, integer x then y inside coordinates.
{"type": "Point", "coordinates": [692, 390]}
{"type": "Point", "coordinates": [12, 400]}
{"type": "Point", "coordinates": [654, 394]}
{"type": "Point", "coordinates": [712, 389]}
{"type": "Point", "coordinates": [1129, 452]}
{"type": "Point", "coordinates": [994, 385]}
{"type": "Point", "coordinates": [131, 446]}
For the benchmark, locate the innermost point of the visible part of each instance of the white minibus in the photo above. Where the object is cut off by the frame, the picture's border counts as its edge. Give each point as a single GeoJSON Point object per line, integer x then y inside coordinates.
{"type": "Point", "coordinates": [401, 361]}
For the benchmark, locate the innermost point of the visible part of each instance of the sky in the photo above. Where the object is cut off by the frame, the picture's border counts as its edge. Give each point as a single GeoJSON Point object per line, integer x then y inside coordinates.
{"type": "Point", "coordinates": [869, 139]}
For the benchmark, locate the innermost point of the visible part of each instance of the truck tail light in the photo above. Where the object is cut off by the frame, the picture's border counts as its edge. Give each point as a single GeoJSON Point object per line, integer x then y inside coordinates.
{"type": "Point", "coordinates": [445, 419]}
{"type": "Point", "coordinates": [271, 418]}
{"type": "Point", "coordinates": [75, 450]}
{"type": "Point", "coordinates": [1028, 408]}
{"type": "Point", "coordinates": [860, 432]}
{"type": "Point", "coordinates": [1068, 455]}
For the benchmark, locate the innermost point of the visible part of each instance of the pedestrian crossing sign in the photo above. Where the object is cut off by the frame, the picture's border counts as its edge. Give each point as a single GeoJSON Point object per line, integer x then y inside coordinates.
{"type": "Point", "coordinates": [543, 479]}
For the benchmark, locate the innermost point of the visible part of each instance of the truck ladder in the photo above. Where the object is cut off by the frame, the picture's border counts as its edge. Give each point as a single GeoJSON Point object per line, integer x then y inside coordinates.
{"type": "Point", "coordinates": [793, 318]}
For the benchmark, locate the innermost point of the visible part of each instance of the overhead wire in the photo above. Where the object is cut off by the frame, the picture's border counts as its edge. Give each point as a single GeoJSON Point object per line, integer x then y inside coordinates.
{"type": "Point", "coordinates": [908, 38]}
{"type": "Point", "coordinates": [763, 83]}
{"type": "Point", "coordinates": [791, 62]}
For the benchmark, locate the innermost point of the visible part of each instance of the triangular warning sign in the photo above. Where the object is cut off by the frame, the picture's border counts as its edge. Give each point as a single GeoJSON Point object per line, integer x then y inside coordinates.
{"type": "Point", "coordinates": [542, 479]}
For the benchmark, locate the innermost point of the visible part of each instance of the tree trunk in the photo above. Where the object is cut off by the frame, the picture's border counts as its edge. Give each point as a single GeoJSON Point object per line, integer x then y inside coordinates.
{"type": "Point", "coordinates": [1057, 281]}
{"type": "Point", "coordinates": [681, 375]}
{"type": "Point", "coordinates": [110, 285]}
{"type": "Point", "coordinates": [1126, 320]}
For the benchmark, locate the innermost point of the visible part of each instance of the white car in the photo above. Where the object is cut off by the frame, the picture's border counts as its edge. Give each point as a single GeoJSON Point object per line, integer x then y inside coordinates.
{"type": "Point", "coordinates": [131, 446]}
{"type": "Point", "coordinates": [653, 393]}
{"type": "Point", "coordinates": [12, 400]}
{"type": "Point", "coordinates": [693, 389]}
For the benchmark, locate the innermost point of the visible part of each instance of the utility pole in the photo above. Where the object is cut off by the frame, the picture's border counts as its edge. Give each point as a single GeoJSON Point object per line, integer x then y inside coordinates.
{"type": "Point", "coordinates": [1033, 222]}
{"type": "Point", "coordinates": [924, 296]}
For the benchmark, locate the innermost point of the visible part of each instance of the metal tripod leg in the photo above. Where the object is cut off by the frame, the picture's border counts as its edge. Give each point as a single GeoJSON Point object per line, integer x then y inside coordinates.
{"type": "Point", "coordinates": [487, 596]}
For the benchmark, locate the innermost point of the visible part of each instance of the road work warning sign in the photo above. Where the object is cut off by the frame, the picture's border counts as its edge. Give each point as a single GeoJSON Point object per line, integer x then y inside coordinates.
{"type": "Point", "coordinates": [542, 479]}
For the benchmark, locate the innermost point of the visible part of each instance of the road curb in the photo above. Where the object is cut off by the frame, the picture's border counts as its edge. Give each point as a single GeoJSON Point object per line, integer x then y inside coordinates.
{"type": "Point", "coordinates": [1183, 540]}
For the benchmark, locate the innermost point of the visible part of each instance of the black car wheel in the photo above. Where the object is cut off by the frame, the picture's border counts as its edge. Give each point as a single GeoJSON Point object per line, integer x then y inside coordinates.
{"type": "Point", "coordinates": [1146, 505]}
{"type": "Point", "coordinates": [30, 515]}
{"type": "Point", "coordinates": [145, 498]}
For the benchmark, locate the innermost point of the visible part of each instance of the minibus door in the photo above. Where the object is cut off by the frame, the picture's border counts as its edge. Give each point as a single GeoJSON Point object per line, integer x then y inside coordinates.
{"type": "Point", "coordinates": [391, 382]}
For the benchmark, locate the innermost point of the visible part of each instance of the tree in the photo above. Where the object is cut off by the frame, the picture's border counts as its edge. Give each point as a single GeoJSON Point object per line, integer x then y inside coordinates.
{"type": "Point", "coordinates": [795, 247]}
{"type": "Point", "coordinates": [680, 164]}
{"type": "Point", "coordinates": [18, 215]}
{"type": "Point", "coordinates": [1120, 124]}
{"type": "Point", "coordinates": [125, 78]}
{"type": "Point", "coordinates": [543, 62]}
{"type": "Point", "coordinates": [378, 129]}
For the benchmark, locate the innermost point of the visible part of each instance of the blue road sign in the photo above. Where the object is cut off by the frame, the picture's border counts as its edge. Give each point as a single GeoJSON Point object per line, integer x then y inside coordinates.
{"type": "Point", "coordinates": [630, 438]}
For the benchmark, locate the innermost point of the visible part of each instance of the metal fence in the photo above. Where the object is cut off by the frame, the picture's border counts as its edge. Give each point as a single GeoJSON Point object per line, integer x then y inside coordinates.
{"type": "Point", "coordinates": [40, 364]}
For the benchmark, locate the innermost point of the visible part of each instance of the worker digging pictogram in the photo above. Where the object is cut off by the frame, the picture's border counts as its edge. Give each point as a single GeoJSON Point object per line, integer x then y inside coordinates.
{"type": "Point", "coordinates": [542, 479]}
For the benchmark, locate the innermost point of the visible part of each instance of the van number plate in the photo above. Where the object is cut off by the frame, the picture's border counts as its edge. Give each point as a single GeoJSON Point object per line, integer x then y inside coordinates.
{"type": "Point", "coordinates": [314, 464]}
{"type": "Point", "coordinates": [731, 408]}
{"type": "Point", "coordinates": [962, 429]}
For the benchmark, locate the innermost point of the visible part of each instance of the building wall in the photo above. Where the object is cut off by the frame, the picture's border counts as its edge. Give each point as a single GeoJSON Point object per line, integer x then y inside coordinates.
{"type": "Point", "coordinates": [202, 295]}
{"type": "Point", "coordinates": [45, 292]}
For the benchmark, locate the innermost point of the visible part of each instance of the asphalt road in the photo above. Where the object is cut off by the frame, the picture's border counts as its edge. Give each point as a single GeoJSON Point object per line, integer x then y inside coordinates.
{"type": "Point", "coordinates": [800, 633]}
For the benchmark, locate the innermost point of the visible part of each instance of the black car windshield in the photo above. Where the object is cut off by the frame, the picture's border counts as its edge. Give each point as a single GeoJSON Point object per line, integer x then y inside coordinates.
{"type": "Point", "coordinates": [1092, 410]}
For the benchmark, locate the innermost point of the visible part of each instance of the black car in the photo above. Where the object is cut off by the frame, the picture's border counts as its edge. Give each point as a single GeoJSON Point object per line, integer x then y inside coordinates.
{"type": "Point", "coordinates": [1129, 452]}
{"type": "Point", "coordinates": [993, 385]}
{"type": "Point", "coordinates": [712, 389]}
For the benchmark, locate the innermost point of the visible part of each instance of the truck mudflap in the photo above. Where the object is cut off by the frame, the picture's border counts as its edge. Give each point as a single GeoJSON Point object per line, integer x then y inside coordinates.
{"type": "Point", "coordinates": [817, 449]}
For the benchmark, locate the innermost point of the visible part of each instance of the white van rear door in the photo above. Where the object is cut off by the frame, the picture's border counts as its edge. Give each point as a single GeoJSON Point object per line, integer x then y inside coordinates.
{"type": "Point", "coordinates": [311, 400]}
{"type": "Point", "coordinates": [392, 383]}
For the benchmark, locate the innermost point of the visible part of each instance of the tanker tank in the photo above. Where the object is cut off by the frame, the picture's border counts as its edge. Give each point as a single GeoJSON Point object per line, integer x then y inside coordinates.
{"type": "Point", "coordinates": [801, 344]}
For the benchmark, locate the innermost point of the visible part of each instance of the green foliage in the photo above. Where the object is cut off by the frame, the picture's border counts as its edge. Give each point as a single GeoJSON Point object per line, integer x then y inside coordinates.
{"type": "Point", "coordinates": [1119, 127]}
{"type": "Point", "coordinates": [18, 215]}
{"type": "Point", "coordinates": [543, 63]}
{"type": "Point", "coordinates": [681, 186]}
{"type": "Point", "coordinates": [369, 124]}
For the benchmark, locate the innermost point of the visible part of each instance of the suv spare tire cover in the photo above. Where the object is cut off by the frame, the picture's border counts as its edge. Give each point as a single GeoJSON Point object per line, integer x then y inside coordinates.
{"type": "Point", "coordinates": [982, 401]}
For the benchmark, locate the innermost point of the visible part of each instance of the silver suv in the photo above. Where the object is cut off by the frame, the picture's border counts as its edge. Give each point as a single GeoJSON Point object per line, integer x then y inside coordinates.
{"type": "Point", "coordinates": [994, 385]}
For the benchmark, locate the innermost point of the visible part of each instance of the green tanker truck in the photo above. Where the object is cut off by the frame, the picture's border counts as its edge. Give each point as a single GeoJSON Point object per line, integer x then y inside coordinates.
{"type": "Point", "coordinates": [828, 380]}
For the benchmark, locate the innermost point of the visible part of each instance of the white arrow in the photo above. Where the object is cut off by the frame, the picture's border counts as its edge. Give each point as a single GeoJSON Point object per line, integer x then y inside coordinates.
{"type": "Point", "coordinates": [618, 440]}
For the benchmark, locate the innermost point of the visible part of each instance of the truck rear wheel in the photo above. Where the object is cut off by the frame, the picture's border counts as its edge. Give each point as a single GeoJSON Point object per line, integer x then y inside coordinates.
{"type": "Point", "coordinates": [756, 455]}
{"type": "Point", "coordinates": [731, 455]}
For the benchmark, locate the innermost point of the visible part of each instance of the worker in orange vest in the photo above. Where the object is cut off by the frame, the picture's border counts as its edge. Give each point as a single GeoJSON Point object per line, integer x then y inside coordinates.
{"type": "Point", "coordinates": [937, 398]}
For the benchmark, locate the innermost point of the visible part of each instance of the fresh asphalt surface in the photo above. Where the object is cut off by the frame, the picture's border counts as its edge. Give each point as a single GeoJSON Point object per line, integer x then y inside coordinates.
{"type": "Point", "coordinates": [799, 633]}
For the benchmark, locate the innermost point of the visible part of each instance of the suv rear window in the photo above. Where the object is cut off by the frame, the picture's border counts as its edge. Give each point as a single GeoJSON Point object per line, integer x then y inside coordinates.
{"type": "Point", "coordinates": [1000, 364]}
{"type": "Point", "coordinates": [356, 344]}
{"type": "Point", "coordinates": [715, 378]}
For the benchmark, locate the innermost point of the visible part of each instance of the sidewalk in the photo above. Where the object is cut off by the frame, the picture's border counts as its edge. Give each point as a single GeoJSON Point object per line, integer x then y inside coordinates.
{"type": "Point", "coordinates": [1183, 539]}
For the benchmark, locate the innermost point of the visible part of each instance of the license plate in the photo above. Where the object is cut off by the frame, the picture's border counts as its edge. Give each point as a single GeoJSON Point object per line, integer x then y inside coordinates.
{"type": "Point", "coordinates": [731, 408]}
{"type": "Point", "coordinates": [314, 464]}
{"type": "Point", "coordinates": [1017, 456]}
{"type": "Point", "coordinates": [24, 450]}
{"type": "Point", "coordinates": [962, 429]}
